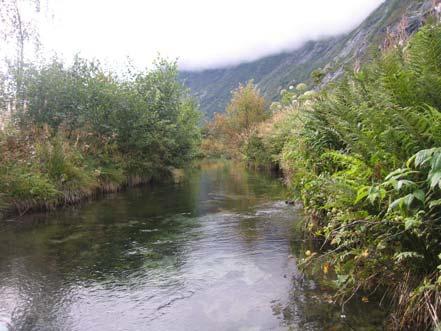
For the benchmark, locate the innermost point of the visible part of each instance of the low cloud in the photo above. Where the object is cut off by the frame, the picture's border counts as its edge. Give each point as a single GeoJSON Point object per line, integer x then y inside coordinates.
{"type": "Point", "coordinates": [202, 34]}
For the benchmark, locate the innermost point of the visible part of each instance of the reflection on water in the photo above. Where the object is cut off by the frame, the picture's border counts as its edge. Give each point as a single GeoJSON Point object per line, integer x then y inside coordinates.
{"type": "Point", "coordinates": [210, 253]}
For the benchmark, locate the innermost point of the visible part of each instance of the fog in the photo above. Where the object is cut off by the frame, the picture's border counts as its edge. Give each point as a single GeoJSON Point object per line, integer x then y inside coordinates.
{"type": "Point", "coordinates": [200, 33]}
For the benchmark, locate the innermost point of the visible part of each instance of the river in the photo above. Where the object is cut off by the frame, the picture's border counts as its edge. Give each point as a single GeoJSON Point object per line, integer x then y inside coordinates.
{"type": "Point", "coordinates": [217, 251]}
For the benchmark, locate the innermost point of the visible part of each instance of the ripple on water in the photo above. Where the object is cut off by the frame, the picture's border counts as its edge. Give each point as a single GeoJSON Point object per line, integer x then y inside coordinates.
{"type": "Point", "coordinates": [208, 254]}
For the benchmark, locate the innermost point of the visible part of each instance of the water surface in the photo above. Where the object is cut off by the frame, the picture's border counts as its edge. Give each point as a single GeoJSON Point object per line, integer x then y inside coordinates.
{"type": "Point", "coordinates": [213, 252]}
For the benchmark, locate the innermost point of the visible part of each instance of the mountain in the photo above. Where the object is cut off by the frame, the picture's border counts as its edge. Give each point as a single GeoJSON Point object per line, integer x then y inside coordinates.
{"type": "Point", "coordinates": [393, 19]}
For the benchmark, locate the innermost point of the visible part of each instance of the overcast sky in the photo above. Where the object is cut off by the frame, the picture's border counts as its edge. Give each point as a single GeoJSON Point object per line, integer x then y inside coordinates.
{"type": "Point", "coordinates": [201, 33]}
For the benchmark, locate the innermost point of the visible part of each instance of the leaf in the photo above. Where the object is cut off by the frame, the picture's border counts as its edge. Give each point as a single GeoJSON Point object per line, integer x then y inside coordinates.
{"type": "Point", "coordinates": [419, 195]}
{"type": "Point", "coordinates": [342, 279]}
{"type": "Point", "coordinates": [381, 245]}
{"type": "Point", "coordinates": [434, 179]}
{"type": "Point", "coordinates": [400, 203]}
{"type": "Point", "coordinates": [395, 204]}
{"type": "Point", "coordinates": [436, 162]}
{"type": "Point", "coordinates": [397, 174]}
{"type": "Point", "coordinates": [410, 161]}
{"type": "Point", "coordinates": [408, 199]}
{"type": "Point", "coordinates": [375, 193]}
{"type": "Point", "coordinates": [404, 183]}
{"type": "Point", "coordinates": [435, 203]}
{"type": "Point", "coordinates": [362, 193]}
{"type": "Point", "coordinates": [423, 156]}
{"type": "Point", "coordinates": [407, 255]}
{"type": "Point", "coordinates": [412, 222]}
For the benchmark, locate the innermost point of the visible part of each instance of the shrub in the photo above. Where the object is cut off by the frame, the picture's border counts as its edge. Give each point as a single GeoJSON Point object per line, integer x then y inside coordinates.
{"type": "Point", "coordinates": [24, 188]}
{"type": "Point", "coordinates": [86, 129]}
{"type": "Point", "coordinates": [380, 225]}
{"type": "Point", "coordinates": [364, 157]}
{"type": "Point", "coordinates": [227, 133]}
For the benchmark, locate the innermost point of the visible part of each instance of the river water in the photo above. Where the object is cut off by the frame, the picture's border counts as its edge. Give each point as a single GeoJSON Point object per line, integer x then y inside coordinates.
{"type": "Point", "coordinates": [217, 251]}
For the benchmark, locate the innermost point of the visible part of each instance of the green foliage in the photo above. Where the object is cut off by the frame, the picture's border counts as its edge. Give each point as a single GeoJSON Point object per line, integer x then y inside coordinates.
{"type": "Point", "coordinates": [381, 222]}
{"type": "Point", "coordinates": [301, 88]}
{"type": "Point", "coordinates": [256, 152]}
{"type": "Point", "coordinates": [86, 129]}
{"type": "Point", "coordinates": [317, 76]}
{"type": "Point", "coordinates": [21, 183]}
{"type": "Point", "coordinates": [65, 166]}
{"type": "Point", "coordinates": [287, 98]}
{"type": "Point", "coordinates": [364, 157]}
{"type": "Point", "coordinates": [247, 107]}
{"type": "Point", "coordinates": [227, 134]}
{"type": "Point", "coordinates": [148, 115]}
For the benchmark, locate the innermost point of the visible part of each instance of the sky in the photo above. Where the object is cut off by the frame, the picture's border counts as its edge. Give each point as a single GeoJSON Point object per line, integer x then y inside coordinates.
{"type": "Point", "coordinates": [201, 34]}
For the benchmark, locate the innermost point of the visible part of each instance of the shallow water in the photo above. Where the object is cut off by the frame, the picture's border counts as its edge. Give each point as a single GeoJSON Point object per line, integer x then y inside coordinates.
{"type": "Point", "coordinates": [210, 253]}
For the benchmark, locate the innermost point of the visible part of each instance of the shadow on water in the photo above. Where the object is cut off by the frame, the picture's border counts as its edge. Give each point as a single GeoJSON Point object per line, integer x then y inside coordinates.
{"type": "Point", "coordinates": [209, 253]}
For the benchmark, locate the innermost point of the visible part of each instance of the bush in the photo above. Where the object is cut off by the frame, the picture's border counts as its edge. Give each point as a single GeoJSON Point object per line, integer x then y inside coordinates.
{"type": "Point", "coordinates": [364, 156]}
{"type": "Point", "coordinates": [66, 166]}
{"type": "Point", "coordinates": [227, 134]}
{"type": "Point", "coordinates": [381, 224]}
{"type": "Point", "coordinates": [256, 152]}
{"type": "Point", "coordinates": [86, 129]}
{"type": "Point", "coordinates": [24, 188]}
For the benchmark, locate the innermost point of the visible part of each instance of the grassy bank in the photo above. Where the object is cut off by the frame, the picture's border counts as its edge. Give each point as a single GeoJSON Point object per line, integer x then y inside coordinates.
{"type": "Point", "coordinates": [42, 171]}
{"type": "Point", "coordinates": [79, 131]}
{"type": "Point", "coordinates": [364, 157]}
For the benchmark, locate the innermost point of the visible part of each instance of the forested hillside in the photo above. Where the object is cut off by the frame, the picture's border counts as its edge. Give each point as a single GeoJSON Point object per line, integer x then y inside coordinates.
{"type": "Point", "coordinates": [274, 73]}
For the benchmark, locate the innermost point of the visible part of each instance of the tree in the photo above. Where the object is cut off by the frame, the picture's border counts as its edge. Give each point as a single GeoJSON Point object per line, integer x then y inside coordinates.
{"type": "Point", "coordinates": [227, 133]}
{"type": "Point", "coordinates": [21, 31]}
{"type": "Point", "coordinates": [247, 108]}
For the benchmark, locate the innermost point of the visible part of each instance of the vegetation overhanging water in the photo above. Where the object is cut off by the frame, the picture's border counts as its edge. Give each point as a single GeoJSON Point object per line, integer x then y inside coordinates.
{"type": "Point", "coordinates": [363, 154]}
{"type": "Point", "coordinates": [217, 251]}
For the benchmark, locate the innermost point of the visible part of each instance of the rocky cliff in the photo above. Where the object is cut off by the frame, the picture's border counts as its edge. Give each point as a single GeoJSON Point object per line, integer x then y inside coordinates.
{"type": "Point", "coordinates": [390, 23]}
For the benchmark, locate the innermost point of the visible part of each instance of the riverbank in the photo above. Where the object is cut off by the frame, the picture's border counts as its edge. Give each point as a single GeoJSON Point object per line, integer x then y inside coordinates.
{"type": "Point", "coordinates": [215, 252]}
{"type": "Point", "coordinates": [42, 171]}
{"type": "Point", "coordinates": [364, 158]}
{"type": "Point", "coordinates": [80, 131]}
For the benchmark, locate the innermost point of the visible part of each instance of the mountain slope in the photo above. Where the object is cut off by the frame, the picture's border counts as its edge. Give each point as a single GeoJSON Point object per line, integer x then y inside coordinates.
{"type": "Point", "coordinates": [271, 74]}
